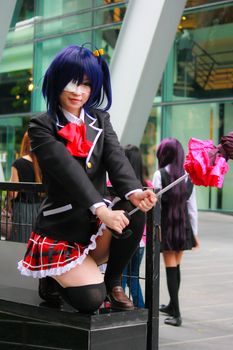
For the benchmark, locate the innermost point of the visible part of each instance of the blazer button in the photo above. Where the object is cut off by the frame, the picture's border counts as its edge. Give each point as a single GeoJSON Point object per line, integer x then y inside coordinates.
{"type": "Point", "coordinates": [89, 165]}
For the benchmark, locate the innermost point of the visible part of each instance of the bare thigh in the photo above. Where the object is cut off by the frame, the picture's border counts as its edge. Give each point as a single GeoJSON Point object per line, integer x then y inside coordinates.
{"type": "Point", "coordinates": [88, 272]}
{"type": "Point", "coordinates": [172, 258]}
{"type": "Point", "coordinates": [101, 253]}
{"type": "Point", "coordinates": [81, 275]}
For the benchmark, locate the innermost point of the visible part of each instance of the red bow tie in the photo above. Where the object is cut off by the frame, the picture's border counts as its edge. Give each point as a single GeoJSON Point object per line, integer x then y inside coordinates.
{"type": "Point", "coordinates": [77, 143]}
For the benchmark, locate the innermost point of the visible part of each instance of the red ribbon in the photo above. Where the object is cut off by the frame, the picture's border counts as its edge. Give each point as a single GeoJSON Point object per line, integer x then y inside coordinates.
{"type": "Point", "coordinates": [77, 143]}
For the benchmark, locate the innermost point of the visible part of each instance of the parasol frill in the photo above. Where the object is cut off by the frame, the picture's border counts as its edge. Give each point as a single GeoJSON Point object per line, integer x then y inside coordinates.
{"type": "Point", "coordinates": [205, 163]}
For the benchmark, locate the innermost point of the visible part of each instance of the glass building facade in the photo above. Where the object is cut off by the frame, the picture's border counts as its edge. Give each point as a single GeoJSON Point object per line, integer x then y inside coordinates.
{"type": "Point", "coordinates": [195, 94]}
{"type": "Point", "coordinates": [195, 99]}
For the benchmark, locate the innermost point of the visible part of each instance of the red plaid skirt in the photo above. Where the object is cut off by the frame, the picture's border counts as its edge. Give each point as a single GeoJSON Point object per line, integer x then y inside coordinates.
{"type": "Point", "coordinates": [46, 256]}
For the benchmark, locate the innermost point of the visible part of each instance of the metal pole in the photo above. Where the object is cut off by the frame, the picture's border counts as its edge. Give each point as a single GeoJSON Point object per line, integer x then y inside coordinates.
{"type": "Point", "coordinates": [152, 275]}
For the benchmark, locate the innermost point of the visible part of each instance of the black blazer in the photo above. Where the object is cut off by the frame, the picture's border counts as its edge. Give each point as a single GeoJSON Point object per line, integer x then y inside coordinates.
{"type": "Point", "coordinates": [74, 184]}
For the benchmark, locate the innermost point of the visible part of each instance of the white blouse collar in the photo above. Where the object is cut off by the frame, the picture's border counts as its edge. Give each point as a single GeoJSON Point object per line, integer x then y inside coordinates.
{"type": "Point", "coordinates": [72, 118]}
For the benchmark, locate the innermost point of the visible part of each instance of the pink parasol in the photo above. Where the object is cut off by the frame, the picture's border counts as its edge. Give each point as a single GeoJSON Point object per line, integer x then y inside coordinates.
{"type": "Point", "coordinates": [205, 163]}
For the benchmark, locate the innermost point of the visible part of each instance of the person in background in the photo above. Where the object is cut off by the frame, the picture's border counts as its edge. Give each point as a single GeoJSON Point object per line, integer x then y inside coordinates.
{"type": "Point", "coordinates": [76, 146]}
{"type": "Point", "coordinates": [24, 205]}
{"type": "Point", "coordinates": [178, 220]}
{"type": "Point", "coordinates": [131, 272]}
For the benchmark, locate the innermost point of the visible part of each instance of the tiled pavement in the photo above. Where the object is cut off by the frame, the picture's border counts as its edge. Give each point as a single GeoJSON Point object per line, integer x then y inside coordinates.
{"type": "Point", "coordinates": [206, 294]}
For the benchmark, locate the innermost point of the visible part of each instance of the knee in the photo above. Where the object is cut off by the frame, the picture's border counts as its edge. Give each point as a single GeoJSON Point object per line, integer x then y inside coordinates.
{"type": "Point", "coordinates": [85, 298]}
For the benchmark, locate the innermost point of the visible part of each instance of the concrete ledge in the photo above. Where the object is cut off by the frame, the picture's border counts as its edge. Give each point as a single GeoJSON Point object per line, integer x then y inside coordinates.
{"type": "Point", "coordinates": [23, 310]}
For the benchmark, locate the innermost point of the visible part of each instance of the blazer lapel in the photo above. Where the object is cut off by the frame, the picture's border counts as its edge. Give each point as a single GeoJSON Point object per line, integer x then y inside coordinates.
{"type": "Point", "coordinates": [92, 133]}
{"type": "Point", "coordinates": [61, 120]}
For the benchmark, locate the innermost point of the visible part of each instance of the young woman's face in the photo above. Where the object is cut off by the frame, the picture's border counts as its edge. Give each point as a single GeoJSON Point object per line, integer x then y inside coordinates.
{"type": "Point", "coordinates": [74, 96]}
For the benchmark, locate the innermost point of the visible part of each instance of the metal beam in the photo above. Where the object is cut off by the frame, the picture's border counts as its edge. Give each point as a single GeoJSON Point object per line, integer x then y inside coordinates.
{"type": "Point", "coordinates": [138, 63]}
{"type": "Point", "coordinates": [6, 12]}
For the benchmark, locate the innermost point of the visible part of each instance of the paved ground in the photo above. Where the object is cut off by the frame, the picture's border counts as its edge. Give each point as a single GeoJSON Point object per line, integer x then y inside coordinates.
{"type": "Point", "coordinates": [206, 295]}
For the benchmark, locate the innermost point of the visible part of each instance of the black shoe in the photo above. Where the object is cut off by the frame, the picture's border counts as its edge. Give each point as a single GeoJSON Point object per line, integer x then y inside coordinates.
{"type": "Point", "coordinates": [47, 290]}
{"type": "Point", "coordinates": [166, 309]}
{"type": "Point", "coordinates": [173, 321]}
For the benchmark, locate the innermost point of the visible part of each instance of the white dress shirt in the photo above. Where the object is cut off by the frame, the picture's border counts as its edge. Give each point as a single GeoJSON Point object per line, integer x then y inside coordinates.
{"type": "Point", "coordinates": [191, 202]}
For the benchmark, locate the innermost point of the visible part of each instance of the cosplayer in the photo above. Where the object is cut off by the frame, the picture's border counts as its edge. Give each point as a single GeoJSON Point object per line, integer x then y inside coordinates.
{"type": "Point", "coordinates": [179, 223]}
{"type": "Point", "coordinates": [76, 145]}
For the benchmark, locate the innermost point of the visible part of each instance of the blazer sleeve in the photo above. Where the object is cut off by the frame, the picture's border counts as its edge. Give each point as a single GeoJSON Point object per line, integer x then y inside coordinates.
{"type": "Point", "coordinates": [59, 164]}
{"type": "Point", "coordinates": [120, 171]}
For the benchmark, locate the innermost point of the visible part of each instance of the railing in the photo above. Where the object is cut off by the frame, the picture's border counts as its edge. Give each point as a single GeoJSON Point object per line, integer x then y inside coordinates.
{"type": "Point", "coordinates": [18, 212]}
{"type": "Point", "coordinates": [17, 228]}
{"type": "Point", "coordinates": [204, 65]}
{"type": "Point", "coordinates": [206, 70]}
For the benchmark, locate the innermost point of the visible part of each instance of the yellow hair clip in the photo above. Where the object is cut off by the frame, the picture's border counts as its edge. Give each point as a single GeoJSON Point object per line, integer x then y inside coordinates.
{"type": "Point", "coordinates": [98, 53]}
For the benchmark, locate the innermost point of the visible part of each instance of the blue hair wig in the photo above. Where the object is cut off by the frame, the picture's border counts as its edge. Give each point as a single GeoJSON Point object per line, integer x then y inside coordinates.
{"type": "Point", "coordinates": [71, 64]}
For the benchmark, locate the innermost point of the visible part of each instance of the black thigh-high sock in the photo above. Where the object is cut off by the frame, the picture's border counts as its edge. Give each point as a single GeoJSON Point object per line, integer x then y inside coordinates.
{"type": "Point", "coordinates": [84, 298]}
{"type": "Point", "coordinates": [178, 276]}
{"type": "Point", "coordinates": [172, 285]}
{"type": "Point", "coordinates": [178, 282]}
{"type": "Point", "coordinates": [121, 250]}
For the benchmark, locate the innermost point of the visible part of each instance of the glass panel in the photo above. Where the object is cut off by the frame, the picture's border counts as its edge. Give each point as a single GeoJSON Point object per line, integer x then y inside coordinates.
{"type": "Point", "coordinates": [158, 97]}
{"type": "Point", "coordinates": [80, 21]}
{"type": "Point", "coordinates": [51, 8]}
{"type": "Point", "coordinates": [202, 66]}
{"type": "Point", "coordinates": [107, 2]}
{"type": "Point", "coordinates": [11, 133]}
{"type": "Point", "coordinates": [24, 10]}
{"type": "Point", "coordinates": [150, 139]}
{"type": "Point", "coordinates": [20, 34]}
{"type": "Point", "coordinates": [17, 58]}
{"type": "Point", "coordinates": [22, 24]}
{"type": "Point", "coordinates": [193, 3]}
{"type": "Point", "coordinates": [203, 121]}
{"type": "Point", "coordinates": [15, 91]}
{"type": "Point", "coordinates": [66, 24]}
{"type": "Point", "coordinates": [110, 15]}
